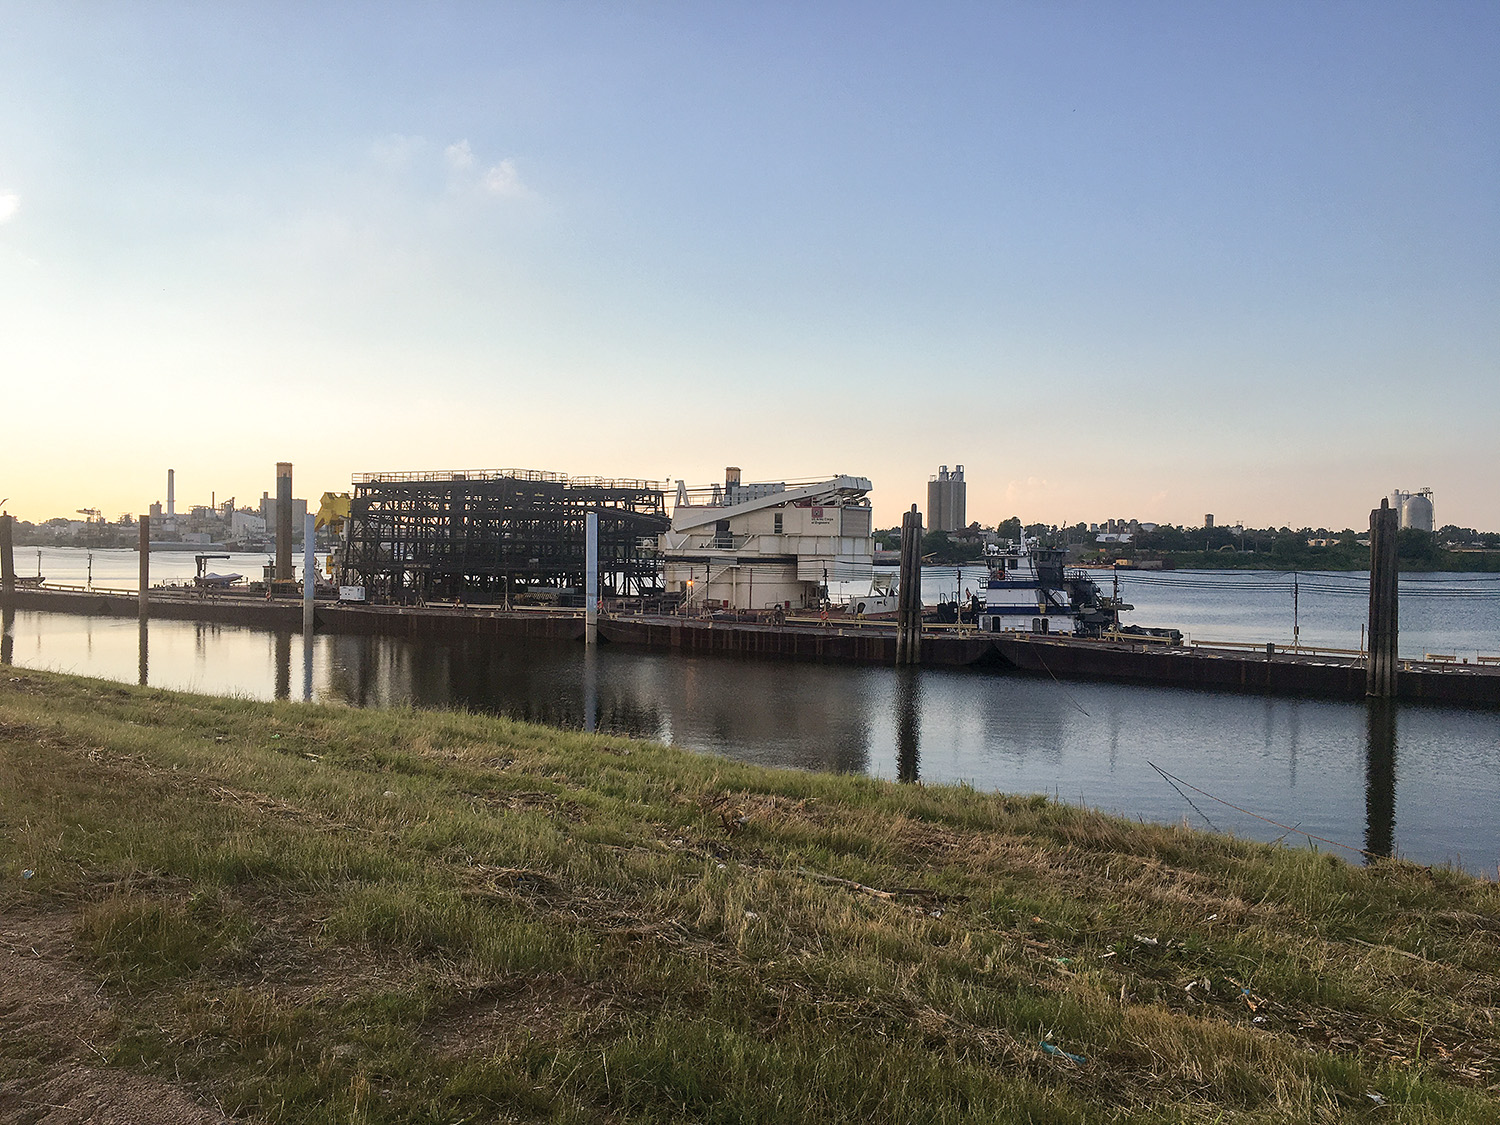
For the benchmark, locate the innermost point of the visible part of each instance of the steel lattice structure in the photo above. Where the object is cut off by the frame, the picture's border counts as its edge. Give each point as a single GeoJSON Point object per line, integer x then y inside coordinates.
{"type": "Point", "coordinates": [481, 535]}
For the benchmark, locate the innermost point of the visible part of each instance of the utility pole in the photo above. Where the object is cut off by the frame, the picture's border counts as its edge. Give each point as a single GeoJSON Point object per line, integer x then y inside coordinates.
{"type": "Point", "coordinates": [1296, 627]}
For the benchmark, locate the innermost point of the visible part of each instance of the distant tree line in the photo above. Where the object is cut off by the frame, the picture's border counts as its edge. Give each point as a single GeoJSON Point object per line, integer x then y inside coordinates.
{"type": "Point", "coordinates": [64, 532]}
{"type": "Point", "coordinates": [1270, 548]}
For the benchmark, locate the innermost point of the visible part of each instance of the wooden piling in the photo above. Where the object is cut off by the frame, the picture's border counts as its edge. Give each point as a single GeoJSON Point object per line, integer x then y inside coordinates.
{"type": "Point", "coordinates": [909, 591]}
{"type": "Point", "coordinates": [7, 559]}
{"type": "Point", "coordinates": [1380, 667]}
{"type": "Point", "coordinates": [283, 521]}
{"type": "Point", "coordinates": [145, 561]}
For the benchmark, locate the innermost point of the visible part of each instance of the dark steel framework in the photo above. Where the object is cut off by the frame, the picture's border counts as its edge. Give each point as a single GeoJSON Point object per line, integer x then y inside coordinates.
{"type": "Point", "coordinates": [484, 535]}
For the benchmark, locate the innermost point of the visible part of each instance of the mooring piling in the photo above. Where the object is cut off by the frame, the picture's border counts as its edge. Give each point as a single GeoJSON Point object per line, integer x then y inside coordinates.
{"type": "Point", "coordinates": [909, 591]}
{"type": "Point", "coordinates": [591, 578]}
{"type": "Point", "coordinates": [7, 559]}
{"type": "Point", "coordinates": [283, 521]}
{"type": "Point", "coordinates": [1380, 668]}
{"type": "Point", "coordinates": [309, 569]}
{"type": "Point", "coordinates": [145, 564]}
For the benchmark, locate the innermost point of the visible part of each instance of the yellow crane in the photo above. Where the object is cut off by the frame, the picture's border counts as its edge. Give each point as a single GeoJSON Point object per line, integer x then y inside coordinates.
{"type": "Point", "coordinates": [332, 512]}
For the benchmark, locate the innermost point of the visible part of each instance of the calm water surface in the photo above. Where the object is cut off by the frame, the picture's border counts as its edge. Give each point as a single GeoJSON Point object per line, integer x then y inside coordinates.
{"type": "Point", "coordinates": [1422, 781]}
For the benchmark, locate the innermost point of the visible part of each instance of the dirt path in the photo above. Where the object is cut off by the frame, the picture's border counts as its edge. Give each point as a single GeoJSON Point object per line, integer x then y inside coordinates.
{"type": "Point", "coordinates": [53, 1020]}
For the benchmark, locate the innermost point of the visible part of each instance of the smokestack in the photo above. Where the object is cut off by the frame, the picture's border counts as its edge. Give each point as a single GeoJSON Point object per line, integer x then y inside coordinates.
{"type": "Point", "coordinates": [283, 521]}
{"type": "Point", "coordinates": [171, 493]}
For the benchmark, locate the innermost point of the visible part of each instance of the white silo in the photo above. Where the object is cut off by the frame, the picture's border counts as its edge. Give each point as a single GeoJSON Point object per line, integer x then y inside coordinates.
{"type": "Point", "coordinates": [1416, 510]}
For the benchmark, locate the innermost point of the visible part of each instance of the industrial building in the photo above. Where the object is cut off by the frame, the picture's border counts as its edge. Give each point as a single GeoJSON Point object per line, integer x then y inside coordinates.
{"type": "Point", "coordinates": [766, 545]}
{"type": "Point", "coordinates": [271, 519]}
{"type": "Point", "coordinates": [485, 535]}
{"type": "Point", "coordinates": [946, 500]}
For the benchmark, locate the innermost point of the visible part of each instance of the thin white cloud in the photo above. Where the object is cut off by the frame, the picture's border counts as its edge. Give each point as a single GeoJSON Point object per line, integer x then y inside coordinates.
{"type": "Point", "coordinates": [459, 155]}
{"type": "Point", "coordinates": [505, 181]}
{"type": "Point", "coordinates": [10, 203]}
{"type": "Point", "coordinates": [1026, 489]}
{"type": "Point", "coordinates": [396, 149]}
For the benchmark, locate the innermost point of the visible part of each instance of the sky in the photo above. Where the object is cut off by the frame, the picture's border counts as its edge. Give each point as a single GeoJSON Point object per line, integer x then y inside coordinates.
{"type": "Point", "coordinates": [1145, 260]}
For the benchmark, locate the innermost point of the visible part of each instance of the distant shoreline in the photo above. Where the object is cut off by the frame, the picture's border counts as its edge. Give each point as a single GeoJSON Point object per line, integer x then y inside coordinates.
{"type": "Point", "coordinates": [1446, 562]}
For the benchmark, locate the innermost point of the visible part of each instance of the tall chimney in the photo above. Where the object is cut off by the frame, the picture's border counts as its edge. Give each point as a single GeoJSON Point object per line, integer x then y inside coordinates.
{"type": "Point", "coordinates": [171, 493]}
{"type": "Point", "coordinates": [283, 521]}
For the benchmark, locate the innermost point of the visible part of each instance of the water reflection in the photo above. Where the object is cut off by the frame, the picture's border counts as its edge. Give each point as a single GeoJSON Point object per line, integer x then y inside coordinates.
{"type": "Point", "coordinates": [591, 688]}
{"type": "Point", "coordinates": [1327, 767]}
{"type": "Point", "coordinates": [908, 697]}
{"type": "Point", "coordinates": [283, 649]}
{"type": "Point", "coordinates": [307, 664]}
{"type": "Point", "coordinates": [1380, 777]}
{"type": "Point", "coordinates": [7, 635]}
{"type": "Point", "coordinates": [814, 717]}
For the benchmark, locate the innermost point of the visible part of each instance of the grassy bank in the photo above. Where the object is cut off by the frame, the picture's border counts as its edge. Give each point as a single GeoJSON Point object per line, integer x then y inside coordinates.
{"type": "Point", "coordinates": [308, 914]}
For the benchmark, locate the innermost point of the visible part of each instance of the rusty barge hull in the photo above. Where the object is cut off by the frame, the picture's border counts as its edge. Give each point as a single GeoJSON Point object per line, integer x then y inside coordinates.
{"type": "Point", "coordinates": [1289, 674]}
{"type": "Point", "coordinates": [435, 622]}
{"type": "Point", "coordinates": [869, 643]}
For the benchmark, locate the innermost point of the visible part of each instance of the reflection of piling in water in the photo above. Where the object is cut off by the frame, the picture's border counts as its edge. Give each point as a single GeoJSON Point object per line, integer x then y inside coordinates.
{"type": "Point", "coordinates": [283, 648]}
{"type": "Point", "coordinates": [7, 635]}
{"type": "Point", "coordinates": [908, 724]}
{"type": "Point", "coordinates": [591, 688]}
{"type": "Point", "coordinates": [143, 661]}
{"type": "Point", "coordinates": [1380, 669]}
{"type": "Point", "coordinates": [1380, 777]}
{"type": "Point", "coordinates": [307, 664]}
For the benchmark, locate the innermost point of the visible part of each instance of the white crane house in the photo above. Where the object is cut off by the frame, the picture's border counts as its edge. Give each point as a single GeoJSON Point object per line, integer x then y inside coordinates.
{"type": "Point", "coordinates": [767, 545]}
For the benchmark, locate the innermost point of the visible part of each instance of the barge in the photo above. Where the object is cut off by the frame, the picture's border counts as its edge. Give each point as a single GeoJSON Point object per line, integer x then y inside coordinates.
{"type": "Point", "coordinates": [1120, 658]}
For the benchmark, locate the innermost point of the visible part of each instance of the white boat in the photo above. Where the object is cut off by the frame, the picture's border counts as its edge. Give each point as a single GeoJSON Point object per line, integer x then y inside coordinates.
{"type": "Point", "coordinates": [213, 581]}
{"type": "Point", "coordinates": [881, 601]}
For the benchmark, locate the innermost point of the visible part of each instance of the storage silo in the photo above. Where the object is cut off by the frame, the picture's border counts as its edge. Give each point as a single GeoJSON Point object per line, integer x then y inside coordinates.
{"type": "Point", "coordinates": [947, 500]}
{"type": "Point", "coordinates": [1416, 510]}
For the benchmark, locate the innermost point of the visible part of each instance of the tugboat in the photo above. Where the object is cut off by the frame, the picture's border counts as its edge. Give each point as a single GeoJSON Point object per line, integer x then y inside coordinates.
{"type": "Point", "coordinates": [1030, 591]}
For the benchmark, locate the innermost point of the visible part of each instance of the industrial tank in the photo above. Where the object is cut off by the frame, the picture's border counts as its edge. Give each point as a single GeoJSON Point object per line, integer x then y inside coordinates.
{"type": "Point", "coordinates": [1416, 511]}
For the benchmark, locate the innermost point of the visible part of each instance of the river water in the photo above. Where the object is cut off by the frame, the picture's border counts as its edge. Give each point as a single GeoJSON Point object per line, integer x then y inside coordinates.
{"type": "Point", "coordinates": [1423, 782]}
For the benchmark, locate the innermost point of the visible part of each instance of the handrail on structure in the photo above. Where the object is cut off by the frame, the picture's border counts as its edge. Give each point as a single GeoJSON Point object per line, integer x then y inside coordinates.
{"type": "Point", "coordinates": [1260, 646]}
{"type": "Point", "coordinates": [540, 475]}
{"type": "Point", "coordinates": [1134, 638]}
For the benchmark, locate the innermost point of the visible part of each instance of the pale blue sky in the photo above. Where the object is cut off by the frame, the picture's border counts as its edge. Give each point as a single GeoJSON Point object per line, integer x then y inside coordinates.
{"type": "Point", "coordinates": [1148, 259]}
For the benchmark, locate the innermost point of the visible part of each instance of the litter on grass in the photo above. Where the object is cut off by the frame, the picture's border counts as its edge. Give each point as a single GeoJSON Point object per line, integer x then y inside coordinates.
{"type": "Point", "coordinates": [1054, 1049]}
